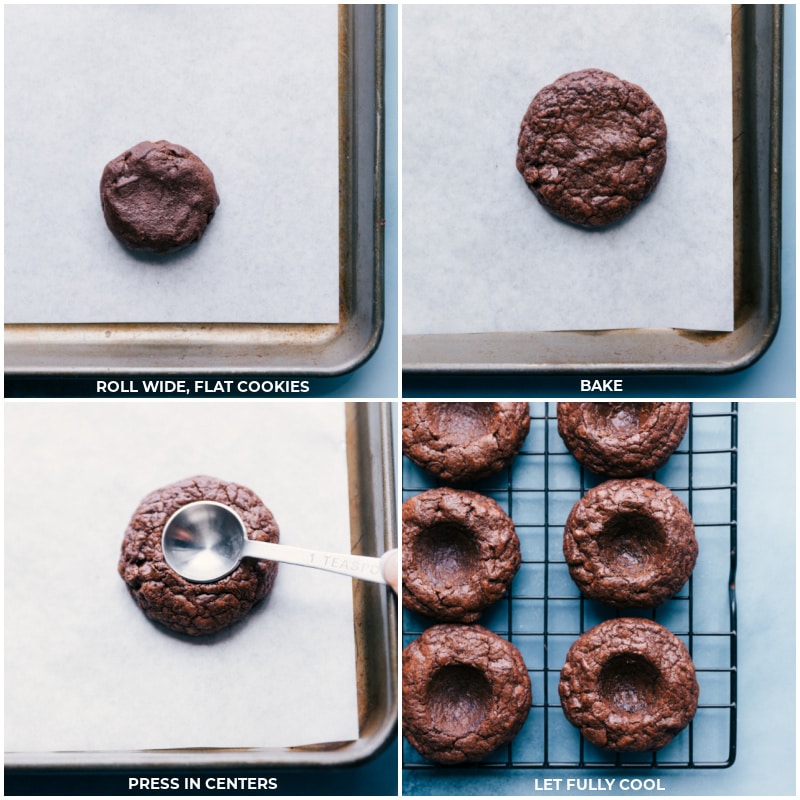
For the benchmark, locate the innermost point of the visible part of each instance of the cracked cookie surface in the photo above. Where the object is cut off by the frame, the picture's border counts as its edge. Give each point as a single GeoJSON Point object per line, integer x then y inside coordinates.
{"type": "Point", "coordinates": [630, 543]}
{"type": "Point", "coordinates": [460, 554]}
{"type": "Point", "coordinates": [463, 442]}
{"type": "Point", "coordinates": [466, 692]}
{"type": "Point", "coordinates": [629, 684]}
{"type": "Point", "coordinates": [623, 440]}
{"type": "Point", "coordinates": [196, 609]}
{"type": "Point", "coordinates": [592, 147]}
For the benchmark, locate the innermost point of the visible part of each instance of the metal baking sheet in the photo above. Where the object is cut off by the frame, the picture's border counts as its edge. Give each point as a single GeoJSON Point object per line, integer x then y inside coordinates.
{"type": "Point", "coordinates": [286, 349]}
{"type": "Point", "coordinates": [757, 59]}
{"type": "Point", "coordinates": [544, 611]}
{"type": "Point", "coordinates": [370, 477]}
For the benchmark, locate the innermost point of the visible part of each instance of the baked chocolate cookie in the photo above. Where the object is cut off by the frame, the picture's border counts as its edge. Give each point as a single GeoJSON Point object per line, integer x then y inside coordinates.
{"type": "Point", "coordinates": [591, 147]}
{"type": "Point", "coordinates": [630, 543]}
{"type": "Point", "coordinates": [623, 440]}
{"type": "Point", "coordinates": [629, 684]}
{"type": "Point", "coordinates": [462, 442]}
{"type": "Point", "coordinates": [460, 554]}
{"type": "Point", "coordinates": [196, 609]}
{"type": "Point", "coordinates": [466, 692]}
{"type": "Point", "coordinates": [158, 197]}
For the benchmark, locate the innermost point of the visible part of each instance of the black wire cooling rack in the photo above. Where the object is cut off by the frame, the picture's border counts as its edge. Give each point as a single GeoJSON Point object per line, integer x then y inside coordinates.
{"type": "Point", "coordinates": [544, 612]}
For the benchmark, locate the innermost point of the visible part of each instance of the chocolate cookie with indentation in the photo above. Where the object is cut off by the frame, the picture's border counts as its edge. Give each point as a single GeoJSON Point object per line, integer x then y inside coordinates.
{"type": "Point", "coordinates": [463, 442]}
{"type": "Point", "coordinates": [592, 147]}
{"type": "Point", "coordinates": [196, 609]}
{"type": "Point", "coordinates": [460, 554]}
{"type": "Point", "coordinates": [629, 684]}
{"type": "Point", "coordinates": [158, 197]}
{"type": "Point", "coordinates": [630, 543]}
{"type": "Point", "coordinates": [622, 440]}
{"type": "Point", "coordinates": [466, 692]}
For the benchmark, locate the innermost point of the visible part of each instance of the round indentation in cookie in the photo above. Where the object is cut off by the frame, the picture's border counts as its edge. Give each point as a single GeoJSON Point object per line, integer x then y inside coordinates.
{"type": "Point", "coordinates": [459, 698]}
{"type": "Point", "coordinates": [632, 541]}
{"type": "Point", "coordinates": [629, 683]}
{"type": "Point", "coordinates": [448, 552]}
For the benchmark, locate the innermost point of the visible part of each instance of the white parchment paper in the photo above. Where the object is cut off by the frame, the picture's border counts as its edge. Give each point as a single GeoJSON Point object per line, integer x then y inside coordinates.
{"type": "Point", "coordinates": [252, 90]}
{"type": "Point", "coordinates": [479, 253]}
{"type": "Point", "coordinates": [84, 668]}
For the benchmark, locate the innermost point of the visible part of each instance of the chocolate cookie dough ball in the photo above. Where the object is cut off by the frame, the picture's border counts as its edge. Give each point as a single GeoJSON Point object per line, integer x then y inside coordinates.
{"type": "Point", "coordinates": [466, 692]}
{"type": "Point", "coordinates": [629, 684]}
{"type": "Point", "coordinates": [196, 609]}
{"type": "Point", "coordinates": [623, 440]}
{"type": "Point", "coordinates": [158, 197]}
{"type": "Point", "coordinates": [630, 543]}
{"type": "Point", "coordinates": [462, 442]}
{"type": "Point", "coordinates": [460, 554]}
{"type": "Point", "coordinates": [591, 147]}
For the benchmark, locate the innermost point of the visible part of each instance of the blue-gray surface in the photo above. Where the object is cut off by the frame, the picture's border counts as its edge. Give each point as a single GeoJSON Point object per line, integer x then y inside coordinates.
{"type": "Point", "coordinates": [765, 760]}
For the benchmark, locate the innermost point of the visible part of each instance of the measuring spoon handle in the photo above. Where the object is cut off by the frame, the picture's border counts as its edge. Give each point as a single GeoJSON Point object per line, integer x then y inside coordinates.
{"type": "Point", "coordinates": [365, 568]}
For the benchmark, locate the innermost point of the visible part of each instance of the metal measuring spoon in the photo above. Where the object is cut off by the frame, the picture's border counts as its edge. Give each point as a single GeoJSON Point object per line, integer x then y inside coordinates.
{"type": "Point", "coordinates": [205, 541]}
